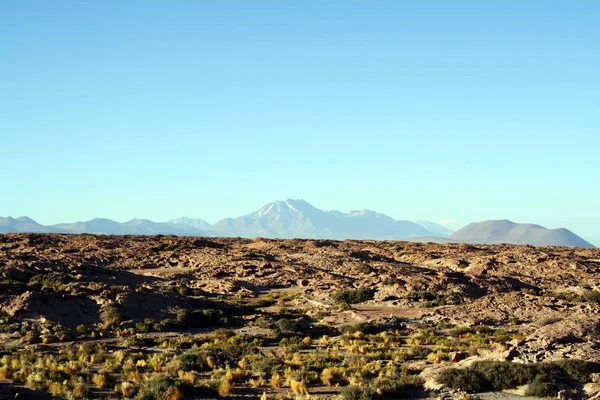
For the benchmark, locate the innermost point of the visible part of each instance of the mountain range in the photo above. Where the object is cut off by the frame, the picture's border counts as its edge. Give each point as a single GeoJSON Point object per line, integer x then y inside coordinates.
{"type": "Point", "coordinates": [299, 219]}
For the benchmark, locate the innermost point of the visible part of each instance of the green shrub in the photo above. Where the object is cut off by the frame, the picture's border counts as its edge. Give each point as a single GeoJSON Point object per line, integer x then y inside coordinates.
{"type": "Point", "coordinates": [577, 370]}
{"type": "Point", "coordinates": [294, 343]}
{"type": "Point", "coordinates": [286, 325]}
{"type": "Point", "coordinates": [392, 280]}
{"type": "Point", "coordinates": [262, 365]}
{"type": "Point", "coordinates": [427, 298]}
{"type": "Point", "coordinates": [363, 327]}
{"type": "Point", "coordinates": [139, 341]}
{"type": "Point", "coordinates": [541, 388]}
{"type": "Point", "coordinates": [163, 247]}
{"type": "Point", "coordinates": [112, 313]}
{"type": "Point", "coordinates": [363, 268]}
{"type": "Point", "coordinates": [183, 316]}
{"type": "Point", "coordinates": [157, 388]}
{"type": "Point", "coordinates": [352, 296]}
{"type": "Point", "coordinates": [460, 331]}
{"type": "Point", "coordinates": [354, 393]}
{"type": "Point", "coordinates": [396, 387]}
{"type": "Point", "coordinates": [501, 375]}
{"type": "Point", "coordinates": [592, 297]}
{"type": "Point", "coordinates": [505, 375]}
{"type": "Point", "coordinates": [464, 379]}
{"type": "Point", "coordinates": [50, 282]}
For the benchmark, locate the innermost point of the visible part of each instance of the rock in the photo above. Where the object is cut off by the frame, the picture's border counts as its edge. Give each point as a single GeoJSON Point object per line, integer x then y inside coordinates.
{"type": "Point", "coordinates": [302, 282]}
{"type": "Point", "coordinates": [458, 356]}
{"type": "Point", "coordinates": [16, 274]}
{"type": "Point", "coordinates": [565, 394]}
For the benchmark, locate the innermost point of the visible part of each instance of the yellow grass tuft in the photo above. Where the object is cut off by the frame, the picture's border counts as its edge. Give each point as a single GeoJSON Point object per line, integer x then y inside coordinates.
{"type": "Point", "coordinates": [275, 380]}
{"type": "Point", "coordinates": [229, 376]}
{"type": "Point", "coordinates": [226, 387]}
{"type": "Point", "coordinates": [187, 376]}
{"type": "Point", "coordinates": [256, 383]}
{"type": "Point", "coordinates": [119, 355]}
{"type": "Point", "coordinates": [125, 388]}
{"type": "Point", "coordinates": [298, 387]}
{"type": "Point", "coordinates": [329, 374]}
{"type": "Point", "coordinates": [5, 372]}
{"type": "Point", "coordinates": [174, 393]}
{"type": "Point", "coordinates": [211, 362]}
{"type": "Point", "coordinates": [79, 391]}
{"type": "Point", "coordinates": [100, 380]}
{"type": "Point", "coordinates": [57, 389]}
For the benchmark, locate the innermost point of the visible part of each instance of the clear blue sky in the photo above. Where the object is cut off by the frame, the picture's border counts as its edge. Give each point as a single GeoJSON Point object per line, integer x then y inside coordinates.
{"type": "Point", "coordinates": [453, 111]}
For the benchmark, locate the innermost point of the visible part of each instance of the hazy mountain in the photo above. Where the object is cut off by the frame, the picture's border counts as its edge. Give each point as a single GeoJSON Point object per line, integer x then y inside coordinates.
{"type": "Point", "coordinates": [134, 227]}
{"type": "Point", "coordinates": [292, 218]}
{"type": "Point", "coordinates": [504, 231]}
{"type": "Point", "coordinates": [21, 224]}
{"type": "Point", "coordinates": [97, 225]}
{"type": "Point", "coordinates": [299, 219]}
{"type": "Point", "coordinates": [441, 230]}
{"type": "Point", "coordinates": [193, 222]}
{"type": "Point", "coordinates": [147, 227]}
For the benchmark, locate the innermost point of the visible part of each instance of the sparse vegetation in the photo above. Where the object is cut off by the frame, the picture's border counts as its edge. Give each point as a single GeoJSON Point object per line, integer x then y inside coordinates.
{"type": "Point", "coordinates": [352, 296]}
{"type": "Point", "coordinates": [494, 376]}
{"type": "Point", "coordinates": [166, 321]}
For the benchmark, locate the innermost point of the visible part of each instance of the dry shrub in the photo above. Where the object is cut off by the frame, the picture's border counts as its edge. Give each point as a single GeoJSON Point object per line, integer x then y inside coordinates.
{"type": "Point", "coordinates": [226, 387]}
{"type": "Point", "coordinates": [127, 389]}
{"type": "Point", "coordinates": [298, 387]}
{"type": "Point", "coordinates": [174, 393]}
{"type": "Point", "coordinates": [100, 380]}
{"type": "Point", "coordinates": [187, 376]}
{"type": "Point", "coordinates": [256, 383]}
{"type": "Point", "coordinates": [276, 380]}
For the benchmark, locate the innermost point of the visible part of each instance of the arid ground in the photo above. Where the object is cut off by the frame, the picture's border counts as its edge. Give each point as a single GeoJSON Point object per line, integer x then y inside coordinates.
{"type": "Point", "coordinates": [165, 317]}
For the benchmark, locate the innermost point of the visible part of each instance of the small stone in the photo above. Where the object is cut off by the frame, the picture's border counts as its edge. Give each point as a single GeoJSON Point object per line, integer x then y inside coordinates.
{"type": "Point", "coordinates": [458, 356]}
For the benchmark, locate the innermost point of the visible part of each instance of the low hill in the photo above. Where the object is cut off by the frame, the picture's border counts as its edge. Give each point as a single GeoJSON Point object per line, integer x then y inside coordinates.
{"type": "Point", "coordinates": [505, 231]}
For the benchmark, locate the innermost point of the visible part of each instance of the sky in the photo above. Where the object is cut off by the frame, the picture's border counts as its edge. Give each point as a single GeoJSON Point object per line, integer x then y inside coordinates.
{"type": "Point", "coordinates": [450, 111]}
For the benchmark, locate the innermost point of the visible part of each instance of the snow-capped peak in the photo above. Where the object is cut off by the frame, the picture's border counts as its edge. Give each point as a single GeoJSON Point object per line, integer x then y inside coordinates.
{"type": "Point", "coordinates": [365, 213]}
{"type": "Point", "coordinates": [265, 210]}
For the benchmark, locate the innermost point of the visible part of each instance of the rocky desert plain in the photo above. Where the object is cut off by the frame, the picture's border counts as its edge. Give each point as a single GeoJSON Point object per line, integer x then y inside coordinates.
{"type": "Point", "coordinates": [167, 317]}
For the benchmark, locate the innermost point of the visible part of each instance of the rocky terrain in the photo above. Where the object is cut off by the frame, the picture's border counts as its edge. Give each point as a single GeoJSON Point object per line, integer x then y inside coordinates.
{"type": "Point", "coordinates": [166, 317]}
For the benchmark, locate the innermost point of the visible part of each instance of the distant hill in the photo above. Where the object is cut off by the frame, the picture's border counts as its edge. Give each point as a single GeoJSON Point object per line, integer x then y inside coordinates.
{"type": "Point", "coordinates": [505, 231]}
{"type": "Point", "coordinates": [193, 222]}
{"type": "Point", "coordinates": [96, 225]}
{"type": "Point", "coordinates": [147, 227]}
{"type": "Point", "coordinates": [435, 227]}
{"type": "Point", "coordinates": [22, 224]}
{"type": "Point", "coordinates": [133, 227]}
